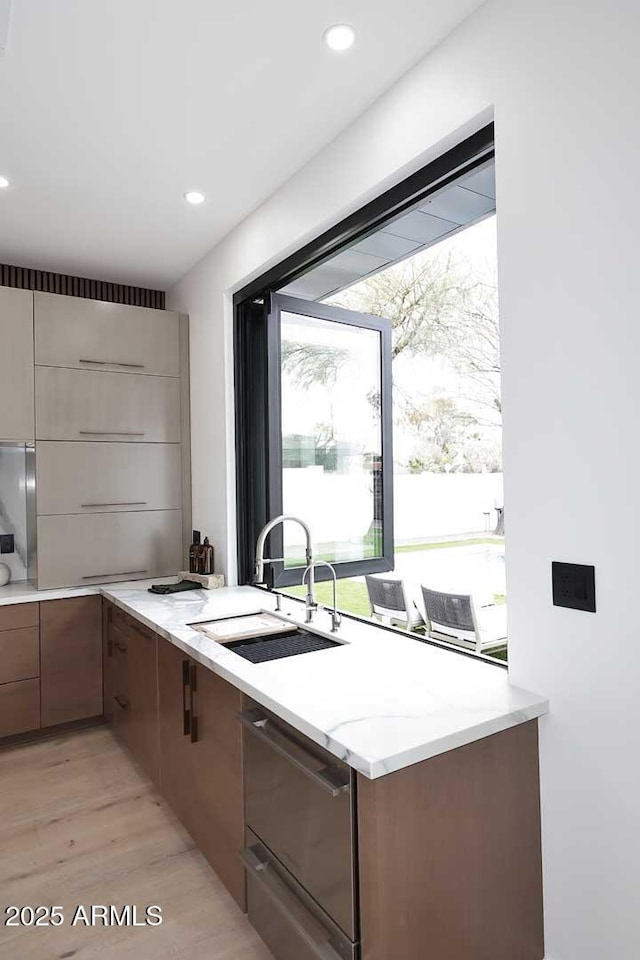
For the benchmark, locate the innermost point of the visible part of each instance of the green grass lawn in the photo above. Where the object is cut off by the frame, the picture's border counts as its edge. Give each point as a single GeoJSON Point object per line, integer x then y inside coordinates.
{"type": "Point", "coordinates": [353, 597]}
{"type": "Point", "coordinates": [446, 544]}
{"type": "Point", "coordinates": [326, 551]}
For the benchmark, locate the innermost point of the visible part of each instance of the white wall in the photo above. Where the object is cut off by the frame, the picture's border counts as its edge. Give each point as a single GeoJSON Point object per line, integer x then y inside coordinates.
{"type": "Point", "coordinates": [563, 79]}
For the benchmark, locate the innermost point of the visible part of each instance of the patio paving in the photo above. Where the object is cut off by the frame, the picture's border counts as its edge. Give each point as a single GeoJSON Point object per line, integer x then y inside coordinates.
{"type": "Point", "coordinates": [476, 568]}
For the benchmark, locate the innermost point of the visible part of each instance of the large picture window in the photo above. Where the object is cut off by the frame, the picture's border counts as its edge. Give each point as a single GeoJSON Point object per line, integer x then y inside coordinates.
{"type": "Point", "coordinates": [384, 332]}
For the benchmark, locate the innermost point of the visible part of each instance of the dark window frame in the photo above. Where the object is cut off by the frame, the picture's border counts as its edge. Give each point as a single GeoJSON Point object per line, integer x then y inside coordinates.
{"type": "Point", "coordinates": [279, 303]}
{"type": "Point", "coordinates": [256, 350]}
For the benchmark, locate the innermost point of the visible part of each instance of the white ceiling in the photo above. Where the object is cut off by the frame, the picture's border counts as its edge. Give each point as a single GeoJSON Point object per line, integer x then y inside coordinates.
{"type": "Point", "coordinates": [111, 109]}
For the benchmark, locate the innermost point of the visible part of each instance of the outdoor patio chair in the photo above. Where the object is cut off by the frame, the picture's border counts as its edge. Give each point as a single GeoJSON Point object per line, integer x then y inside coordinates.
{"type": "Point", "coordinates": [457, 618]}
{"type": "Point", "coordinates": [391, 604]}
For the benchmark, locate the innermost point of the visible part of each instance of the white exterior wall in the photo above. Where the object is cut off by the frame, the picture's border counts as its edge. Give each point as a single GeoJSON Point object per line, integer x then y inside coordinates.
{"type": "Point", "coordinates": [339, 506]}
{"type": "Point", "coordinates": [563, 81]}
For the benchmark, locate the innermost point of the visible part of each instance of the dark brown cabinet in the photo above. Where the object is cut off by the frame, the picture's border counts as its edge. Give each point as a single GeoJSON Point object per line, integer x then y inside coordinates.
{"type": "Point", "coordinates": [176, 774]}
{"type": "Point", "coordinates": [216, 760]}
{"type": "Point", "coordinates": [50, 663]}
{"type": "Point", "coordinates": [19, 669]}
{"type": "Point", "coordinates": [70, 660]}
{"type": "Point", "coordinates": [201, 760]}
{"type": "Point", "coordinates": [19, 654]}
{"type": "Point", "coordinates": [19, 707]}
{"type": "Point", "coordinates": [131, 687]}
{"type": "Point", "coordinates": [108, 684]}
{"type": "Point", "coordinates": [450, 854]}
{"type": "Point", "coordinates": [179, 720]}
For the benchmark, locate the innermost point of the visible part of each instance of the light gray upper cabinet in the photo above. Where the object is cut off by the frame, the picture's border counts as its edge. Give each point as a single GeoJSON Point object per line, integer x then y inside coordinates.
{"type": "Point", "coordinates": [107, 477]}
{"type": "Point", "coordinates": [80, 550]}
{"type": "Point", "coordinates": [16, 364]}
{"type": "Point", "coordinates": [87, 405]}
{"type": "Point", "coordinates": [93, 335]}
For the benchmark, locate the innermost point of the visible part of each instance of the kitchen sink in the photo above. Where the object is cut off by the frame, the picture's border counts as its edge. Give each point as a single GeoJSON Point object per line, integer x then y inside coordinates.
{"type": "Point", "coordinates": [264, 636]}
{"type": "Point", "coordinates": [261, 649]}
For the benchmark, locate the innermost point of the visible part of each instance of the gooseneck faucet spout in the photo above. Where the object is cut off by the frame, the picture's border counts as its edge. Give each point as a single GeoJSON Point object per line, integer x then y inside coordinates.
{"type": "Point", "coordinates": [336, 619]}
{"type": "Point", "coordinates": [310, 603]}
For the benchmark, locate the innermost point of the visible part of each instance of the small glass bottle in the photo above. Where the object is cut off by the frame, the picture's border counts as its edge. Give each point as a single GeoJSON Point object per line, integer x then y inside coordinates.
{"type": "Point", "coordinates": [194, 553]}
{"type": "Point", "coordinates": [206, 558]}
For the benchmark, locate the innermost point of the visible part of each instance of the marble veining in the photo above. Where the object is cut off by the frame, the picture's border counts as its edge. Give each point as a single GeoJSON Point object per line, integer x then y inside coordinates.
{"type": "Point", "coordinates": [13, 506]}
{"type": "Point", "coordinates": [381, 701]}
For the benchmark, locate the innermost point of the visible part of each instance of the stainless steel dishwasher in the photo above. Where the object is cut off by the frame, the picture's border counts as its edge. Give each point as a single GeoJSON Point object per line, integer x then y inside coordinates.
{"type": "Point", "coordinates": [300, 853]}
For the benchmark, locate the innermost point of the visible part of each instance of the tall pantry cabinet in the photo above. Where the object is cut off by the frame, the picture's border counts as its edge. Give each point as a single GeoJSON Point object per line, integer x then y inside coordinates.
{"type": "Point", "coordinates": [103, 389]}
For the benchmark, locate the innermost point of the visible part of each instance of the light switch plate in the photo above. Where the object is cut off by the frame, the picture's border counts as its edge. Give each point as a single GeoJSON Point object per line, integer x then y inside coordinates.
{"type": "Point", "coordinates": [574, 586]}
{"type": "Point", "coordinates": [6, 543]}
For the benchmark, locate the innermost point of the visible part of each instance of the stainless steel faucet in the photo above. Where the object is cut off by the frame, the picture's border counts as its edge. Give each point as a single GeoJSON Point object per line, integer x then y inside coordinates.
{"type": "Point", "coordinates": [336, 619]}
{"type": "Point", "coordinates": [310, 602]}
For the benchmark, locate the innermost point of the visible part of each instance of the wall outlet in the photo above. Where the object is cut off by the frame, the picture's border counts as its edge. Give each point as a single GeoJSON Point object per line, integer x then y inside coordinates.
{"type": "Point", "coordinates": [574, 586]}
{"type": "Point", "coordinates": [6, 543]}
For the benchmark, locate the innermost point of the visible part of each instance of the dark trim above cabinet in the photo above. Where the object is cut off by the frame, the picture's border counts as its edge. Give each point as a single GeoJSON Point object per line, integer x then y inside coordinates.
{"type": "Point", "coordinates": [25, 278]}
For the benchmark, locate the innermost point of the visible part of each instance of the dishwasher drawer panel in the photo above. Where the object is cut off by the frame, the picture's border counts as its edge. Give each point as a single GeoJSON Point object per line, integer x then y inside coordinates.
{"type": "Point", "coordinates": [298, 801]}
{"type": "Point", "coordinates": [291, 925]}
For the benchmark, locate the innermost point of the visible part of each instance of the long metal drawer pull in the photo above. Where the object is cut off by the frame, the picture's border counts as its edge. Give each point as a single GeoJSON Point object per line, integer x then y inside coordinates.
{"type": "Point", "coordinates": [123, 573]}
{"type": "Point", "coordinates": [120, 503]}
{"type": "Point", "coordinates": [186, 700]}
{"type": "Point", "coordinates": [329, 779]}
{"type": "Point", "coordinates": [261, 872]}
{"type": "Point", "coordinates": [113, 363]}
{"type": "Point", "coordinates": [193, 686]}
{"type": "Point", "coordinates": [111, 433]}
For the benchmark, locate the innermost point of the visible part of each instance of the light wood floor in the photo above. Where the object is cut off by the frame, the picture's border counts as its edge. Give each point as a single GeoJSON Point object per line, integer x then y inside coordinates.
{"type": "Point", "coordinates": [80, 825]}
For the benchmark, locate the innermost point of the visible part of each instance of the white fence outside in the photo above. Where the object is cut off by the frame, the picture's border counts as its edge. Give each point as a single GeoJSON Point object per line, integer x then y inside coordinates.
{"type": "Point", "coordinates": [426, 506]}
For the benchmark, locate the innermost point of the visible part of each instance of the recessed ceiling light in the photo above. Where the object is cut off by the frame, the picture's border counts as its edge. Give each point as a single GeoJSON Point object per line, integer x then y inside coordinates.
{"type": "Point", "coordinates": [4, 183]}
{"type": "Point", "coordinates": [339, 37]}
{"type": "Point", "coordinates": [194, 197]}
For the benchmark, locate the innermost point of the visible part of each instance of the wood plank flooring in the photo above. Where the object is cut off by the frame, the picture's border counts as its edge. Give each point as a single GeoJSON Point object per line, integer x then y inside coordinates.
{"type": "Point", "coordinates": [79, 824]}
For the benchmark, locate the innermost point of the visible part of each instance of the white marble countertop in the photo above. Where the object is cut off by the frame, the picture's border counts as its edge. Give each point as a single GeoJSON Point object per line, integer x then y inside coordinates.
{"type": "Point", "coordinates": [381, 701]}
{"type": "Point", "coordinates": [24, 592]}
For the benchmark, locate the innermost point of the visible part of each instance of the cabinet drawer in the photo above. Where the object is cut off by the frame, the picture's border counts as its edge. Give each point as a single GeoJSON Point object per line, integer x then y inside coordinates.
{"type": "Point", "coordinates": [90, 334]}
{"type": "Point", "coordinates": [298, 801]}
{"type": "Point", "coordinates": [289, 921]}
{"type": "Point", "coordinates": [85, 405]}
{"type": "Point", "coordinates": [19, 707]}
{"type": "Point", "coordinates": [102, 547]}
{"type": "Point", "coordinates": [19, 615]}
{"type": "Point", "coordinates": [19, 654]}
{"type": "Point", "coordinates": [104, 477]}
{"type": "Point", "coordinates": [16, 366]}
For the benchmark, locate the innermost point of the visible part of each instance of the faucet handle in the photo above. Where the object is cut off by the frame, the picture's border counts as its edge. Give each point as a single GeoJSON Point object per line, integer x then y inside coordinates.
{"type": "Point", "coordinates": [336, 616]}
